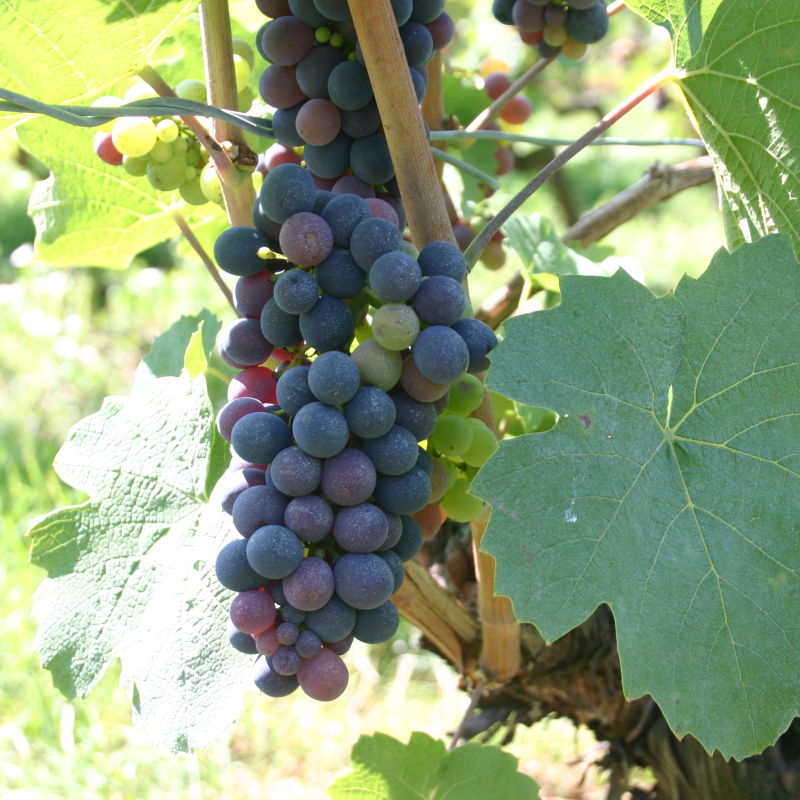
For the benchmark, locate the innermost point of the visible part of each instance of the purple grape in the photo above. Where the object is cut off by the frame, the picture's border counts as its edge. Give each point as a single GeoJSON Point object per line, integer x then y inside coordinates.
{"type": "Point", "coordinates": [296, 291]}
{"type": "Point", "coordinates": [320, 430]}
{"type": "Point", "coordinates": [310, 518]}
{"type": "Point", "coordinates": [323, 677]}
{"type": "Point", "coordinates": [251, 293]}
{"type": "Point", "coordinates": [440, 353]}
{"type": "Point", "coordinates": [308, 644]}
{"type": "Point", "coordinates": [440, 300]}
{"type": "Point", "coordinates": [280, 328]}
{"type": "Point", "coordinates": [340, 647]}
{"type": "Point", "coordinates": [376, 625]}
{"type": "Point", "coordinates": [411, 539]}
{"type": "Point", "coordinates": [333, 621]}
{"type": "Point", "coordinates": [371, 413]}
{"type": "Point", "coordinates": [395, 564]}
{"type": "Point", "coordinates": [361, 529]}
{"type": "Point", "coordinates": [260, 437]}
{"type": "Point", "coordinates": [295, 472]}
{"type": "Point", "coordinates": [287, 190]}
{"type": "Point", "coordinates": [348, 478]}
{"type": "Point", "coordinates": [339, 275]}
{"type": "Point", "coordinates": [253, 612]}
{"type": "Point", "coordinates": [343, 214]}
{"type": "Point", "coordinates": [314, 71]}
{"type": "Point", "coordinates": [267, 643]}
{"type": "Point", "coordinates": [256, 507]}
{"type": "Point", "coordinates": [480, 340]}
{"type": "Point", "coordinates": [371, 160]}
{"type": "Point", "coordinates": [419, 418]}
{"type": "Point", "coordinates": [394, 453]}
{"type": "Point", "coordinates": [278, 86]}
{"type": "Point", "coordinates": [334, 378]}
{"type": "Point", "coordinates": [292, 614]}
{"type": "Point", "coordinates": [287, 41]}
{"type": "Point", "coordinates": [310, 586]}
{"type": "Point", "coordinates": [417, 43]}
{"type": "Point", "coordinates": [443, 258]}
{"type": "Point", "coordinates": [292, 390]}
{"type": "Point", "coordinates": [234, 571]}
{"type": "Point", "coordinates": [327, 326]}
{"type": "Point", "coordinates": [274, 551]}
{"type": "Point", "coordinates": [287, 633]}
{"type": "Point", "coordinates": [404, 494]}
{"type": "Point", "coordinates": [363, 580]}
{"type": "Point", "coordinates": [233, 483]}
{"type": "Point", "coordinates": [238, 640]}
{"type": "Point", "coordinates": [396, 277]}
{"type": "Point", "coordinates": [270, 682]}
{"type": "Point", "coordinates": [236, 250]}
{"type": "Point", "coordinates": [395, 531]}
{"type": "Point", "coordinates": [306, 239]}
{"type": "Point", "coordinates": [373, 238]}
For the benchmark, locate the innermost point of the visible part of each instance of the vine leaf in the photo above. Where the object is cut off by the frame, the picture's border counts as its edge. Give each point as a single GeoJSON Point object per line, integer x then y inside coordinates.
{"type": "Point", "coordinates": [670, 488]}
{"type": "Point", "coordinates": [131, 570]}
{"type": "Point", "coordinates": [90, 213]}
{"type": "Point", "coordinates": [70, 52]}
{"type": "Point", "coordinates": [386, 769]}
{"type": "Point", "coordinates": [738, 71]}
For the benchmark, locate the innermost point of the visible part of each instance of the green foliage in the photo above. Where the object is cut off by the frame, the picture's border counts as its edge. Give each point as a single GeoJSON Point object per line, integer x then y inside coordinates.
{"type": "Point", "coordinates": [386, 769]}
{"type": "Point", "coordinates": [88, 212]}
{"type": "Point", "coordinates": [195, 361]}
{"type": "Point", "coordinates": [738, 69]}
{"type": "Point", "coordinates": [69, 52]}
{"type": "Point", "coordinates": [668, 490]}
{"type": "Point", "coordinates": [131, 570]}
{"type": "Point", "coordinates": [540, 249]}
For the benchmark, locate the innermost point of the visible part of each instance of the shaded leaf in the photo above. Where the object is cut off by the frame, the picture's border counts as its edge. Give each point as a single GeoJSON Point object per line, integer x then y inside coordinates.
{"type": "Point", "coordinates": [669, 489]}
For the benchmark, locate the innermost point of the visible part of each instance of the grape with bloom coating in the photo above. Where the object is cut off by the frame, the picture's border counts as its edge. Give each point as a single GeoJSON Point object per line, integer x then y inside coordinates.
{"type": "Point", "coordinates": [323, 677]}
{"type": "Point", "coordinates": [459, 505]}
{"type": "Point", "coordinates": [453, 435]}
{"type": "Point", "coordinates": [395, 326]}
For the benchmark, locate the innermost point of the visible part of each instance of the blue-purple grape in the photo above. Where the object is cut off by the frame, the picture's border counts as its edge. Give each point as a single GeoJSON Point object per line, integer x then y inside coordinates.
{"type": "Point", "coordinates": [274, 551]}
{"type": "Point", "coordinates": [361, 529]}
{"type": "Point", "coordinates": [363, 580]}
{"type": "Point", "coordinates": [333, 621]}
{"type": "Point", "coordinates": [295, 473]}
{"type": "Point", "coordinates": [310, 518]}
{"type": "Point", "coordinates": [234, 571]}
{"type": "Point", "coordinates": [256, 507]}
{"type": "Point", "coordinates": [376, 625]}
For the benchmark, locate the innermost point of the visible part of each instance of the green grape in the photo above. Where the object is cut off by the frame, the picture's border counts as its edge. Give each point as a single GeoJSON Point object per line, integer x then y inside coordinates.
{"type": "Point", "coordinates": [395, 326]}
{"type": "Point", "coordinates": [134, 166]}
{"type": "Point", "coordinates": [410, 249]}
{"type": "Point", "coordinates": [167, 130]}
{"type": "Point", "coordinates": [322, 35]}
{"type": "Point", "coordinates": [352, 56]}
{"type": "Point", "coordinates": [243, 49]}
{"type": "Point", "coordinates": [192, 192]}
{"type": "Point", "coordinates": [452, 472]}
{"type": "Point", "coordinates": [378, 366]}
{"type": "Point", "coordinates": [453, 435]}
{"type": "Point", "coordinates": [242, 71]}
{"type": "Point", "coordinates": [193, 157]}
{"type": "Point", "coordinates": [134, 136]}
{"type": "Point", "coordinates": [459, 505]}
{"type": "Point", "coordinates": [109, 101]}
{"type": "Point", "coordinates": [246, 98]}
{"type": "Point", "coordinates": [484, 444]}
{"type": "Point", "coordinates": [209, 183]}
{"type": "Point", "coordinates": [191, 90]}
{"type": "Point", "coordinates": [190, 173]}
{"type": "Point", "coordinates": [466, 394]}
{"type": "Point", "coordinates": [161, 151]}
{"type": "Point", "coordinates": [167, 175]}
{"type": "Point", "coordinates": [180, 147]}
{"type": "Point", "coordinates": [140, 91]}
{"type": "Point", "coordinates": [470, 473]}
{"type": "Point", "coordinates": [364, 331]}
{"type": "Point", "coordinates": [475, 422]}
{"type": "Point", "coordinates": [337, 40]}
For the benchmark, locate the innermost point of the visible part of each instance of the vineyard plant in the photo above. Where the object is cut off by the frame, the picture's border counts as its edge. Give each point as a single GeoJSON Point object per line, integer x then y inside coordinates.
{"type": "Point", "coordinates": [585, 494]}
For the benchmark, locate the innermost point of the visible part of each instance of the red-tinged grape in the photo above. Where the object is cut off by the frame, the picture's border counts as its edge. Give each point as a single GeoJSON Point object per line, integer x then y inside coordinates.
{"type": "Point", "coordinates": [253, 612]}
{"type": "Point", "coordinates": [274, 8]}
{"type": "Point", "coordinates": [287, 41]}
{"type": "Point", "coordinates": [341, 647]}
{"type": "Point", "coordinates": [105, 150]}
{"type": "Point", "coordinates": [493, 256]}
{"type": "Point", "coordinates": [348, 478]}
{"type": "Point", "coordinates": [278, 87]}
{"type": "Point", "coordinates": [417, 385]}
{"type": "Point", "coordinates": [306, 239]}
{"type": "Point", "coordinates": [463, 234]}
{"type": "Point", "coordinates": [382, 210]}
{"type": "Point", "coordinates": [233, 412]}
{"type": "Point", "coordinates": [504, 156]}
{"type": "Point", "coordinates": [430, 520]}
{"type": "Point", "coordinates": [528, 17]}
{"type": "Point", "coordinates": [350, 184]}
{"type": "Point", "coordinates": [319, 121]}
{"type": "Point", "coordinates": [267, 643]}
{"type": "Point", "coordinates": [323, 677]}
{"type": "Point", "coordinates": [555, 14]}
{"type": "Point", "coordinates": [532, 38]}
{"type": "Point", "coordinates": [278, 154]}
{"type": "Point", "coordinates": [518, 108]}
{"type": "Point", "coordinates": [496, 83]}
{"type": "Point", "coordinates": [251, 293]}
{"type": "Point", "coordinates": [442, 30]}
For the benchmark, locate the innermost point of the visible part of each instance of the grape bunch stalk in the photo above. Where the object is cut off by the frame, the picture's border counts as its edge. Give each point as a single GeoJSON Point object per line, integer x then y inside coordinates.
{"type": "Point", "coordinates": [349, 420]}
{"type": "Point", "coordinates": [163, 149]}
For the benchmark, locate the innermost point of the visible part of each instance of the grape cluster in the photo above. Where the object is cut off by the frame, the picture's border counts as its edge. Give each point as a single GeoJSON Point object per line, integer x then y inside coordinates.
{"type": "Point", "coordinates": [555, 27]}
{"type": "Point", "coordinates": [163, 149]}
{"type": "Point", "coordinates": [319, 86]}
{"type": "Point", "coordinates": [329, 485]}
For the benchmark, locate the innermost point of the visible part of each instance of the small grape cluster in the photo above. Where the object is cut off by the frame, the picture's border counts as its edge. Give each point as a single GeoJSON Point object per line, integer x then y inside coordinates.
{"type": "Point", "coordinates": [555, 27]}
{"type": "Point", "coordinates": [321, 90]}
{"type": "Point", "coordinates": [163, 149]}
{"type": "Point", "coordinates": [329, 485]}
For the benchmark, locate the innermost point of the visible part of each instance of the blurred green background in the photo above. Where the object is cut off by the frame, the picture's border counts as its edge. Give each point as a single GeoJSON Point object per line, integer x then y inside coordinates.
{"type": "Point", "coordinates": [69, 337]}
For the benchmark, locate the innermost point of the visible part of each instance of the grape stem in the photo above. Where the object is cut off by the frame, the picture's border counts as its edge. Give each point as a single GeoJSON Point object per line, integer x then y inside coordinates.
{"type": "Point", "coordinates": [549, 141]}
{"type": "Point", "coordinates": [226, 169]}
{"type": "Point", "coordinates": [515, 88]}
{"type": "Point", "coordinates": [473, 704]}
{"type": "Point", "coordinates": [188, 234]}
{"type": "Point", "coordinates": [215, 32]}
{"type": "Point", "coordinates": [473, 252]}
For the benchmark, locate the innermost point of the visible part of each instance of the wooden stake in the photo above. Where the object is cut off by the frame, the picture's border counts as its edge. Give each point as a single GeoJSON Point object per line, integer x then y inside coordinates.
{"type": "Point", "coordinates": [427, 218]}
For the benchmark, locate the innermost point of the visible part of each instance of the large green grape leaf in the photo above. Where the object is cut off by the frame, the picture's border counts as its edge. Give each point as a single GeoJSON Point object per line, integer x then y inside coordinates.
{"type": "Point", "coordinates": [670, 488]}
{"type": "Point", "coordinates": [386, 769]}
{"type": "Point", "coordinates": [738, 65]}
{"type": "Point", "coordinates": [60, 52]}
{"type": "Point", "coordinates": [131, 570]}
{"type": "Point", "coordinates": [88, 213]}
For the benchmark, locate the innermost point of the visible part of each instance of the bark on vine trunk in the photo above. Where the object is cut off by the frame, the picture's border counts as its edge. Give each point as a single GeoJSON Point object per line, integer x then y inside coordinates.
{"type": "Point", "coordinates": [579, 677]}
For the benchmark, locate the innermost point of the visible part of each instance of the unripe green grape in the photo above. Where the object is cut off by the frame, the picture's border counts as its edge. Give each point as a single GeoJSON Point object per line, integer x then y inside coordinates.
{"type": "Point", "coordinates": [140, 91]}
{"type": "Point", "coordinates": [243, 49]}
{"type": "Point", "coordinates": [109, 101]}
{"type": "Point", "coordinates": [466, 394]}
{"type": "Point", "coordinates": [161, 152]}
{"type": "Point", "coordinates": [246, 98]}
{"type": "Point", "coordinates": [190, 173]}
{"type": "Point", "coordinates": [470, 473]}
{"type": "Point", "coordinates": [180, 147]}
{"type": "Point", "coordinates": [452, 436]}
{"type": "Point", "coordinates": [134, 136]}
{"type": "Point", "coordinates": [484, 445]}
{"type": "Point", "coordinates": [459, 505]}
{"type": "Point", "coordinates": [395, 326]}
{"type": "Point", "coordinates": [167, 175]}
{"type": "Point", "coordinates": [191, 90]}
{"type": "Point", "coordinates": [192, 156]}
{"type": "Point", "coordinates": [167, 130]}
{"type": "Point", "coordinates": [209, 183]}
{"type": "Point", "coordinates": [364, 331]}
{"type": "Point", "coordinates": [555, 35]}
{"type": "Point", "coordinates": [242, 71]}
{"type": "Point", "coordinates": [322, 35]}
{"type": "Point", "coordinates": [452, 472]}
{"type": "Point", "coordinates": [337, 40]}
{"type": "Point", "coordinates": [192, 192]}
{"type": "Point", "coordinates": [378, 366]}
{"type": "Point", "coordinates": [137, 167]}
{"type": "Point", "coordinates": [410, 249]}
{"type": "Point", "coordinates": [475, 422]}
